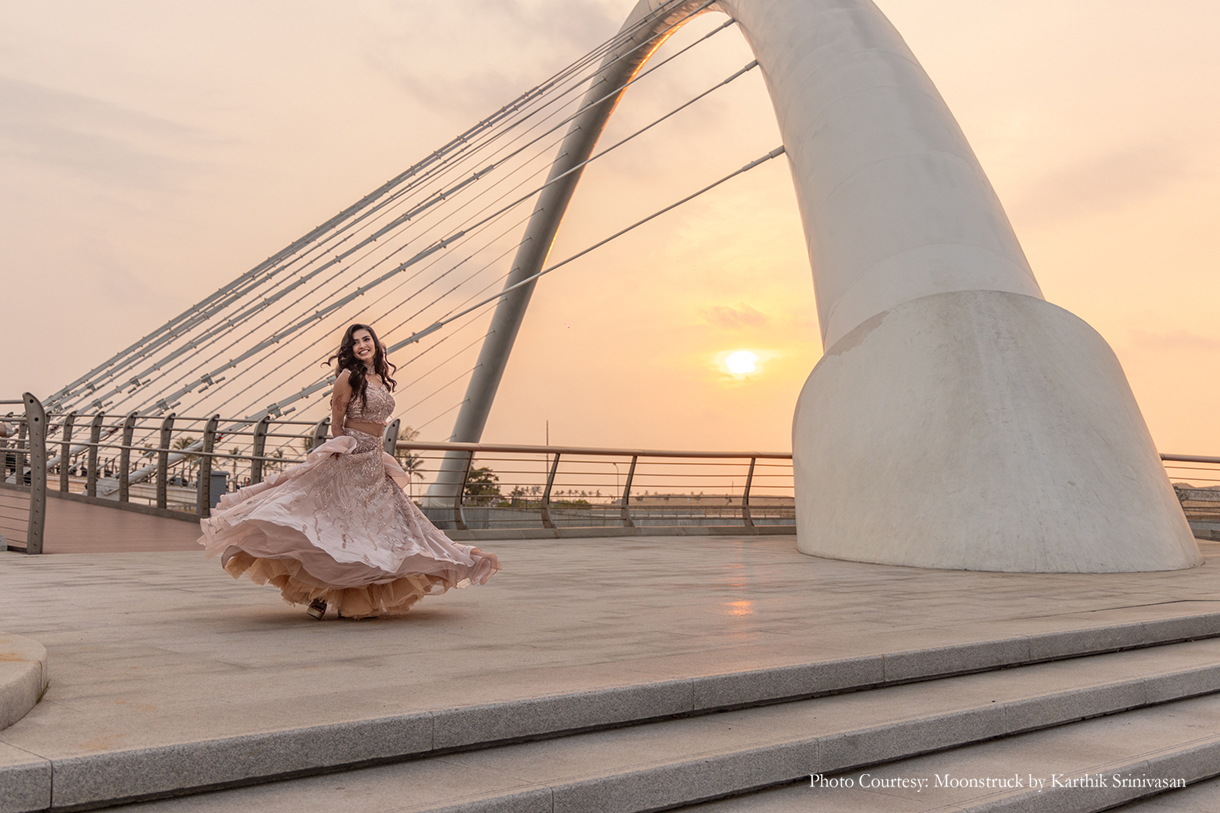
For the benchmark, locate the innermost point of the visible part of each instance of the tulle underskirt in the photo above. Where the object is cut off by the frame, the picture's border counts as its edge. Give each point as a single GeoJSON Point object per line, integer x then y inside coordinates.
{"type": "Point", "coordinates": [370, 600]}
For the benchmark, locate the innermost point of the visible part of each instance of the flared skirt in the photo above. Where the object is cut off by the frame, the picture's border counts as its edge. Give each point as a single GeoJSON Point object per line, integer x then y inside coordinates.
{"type": "Point", "coordinates": [339, 527]}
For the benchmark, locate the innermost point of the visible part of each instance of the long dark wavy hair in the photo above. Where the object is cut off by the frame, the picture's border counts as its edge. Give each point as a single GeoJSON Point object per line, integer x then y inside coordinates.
{"type": "Point", "coordinates": [348, 361]}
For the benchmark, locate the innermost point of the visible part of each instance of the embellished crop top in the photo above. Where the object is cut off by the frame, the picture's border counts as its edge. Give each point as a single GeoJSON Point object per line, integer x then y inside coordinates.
{"type": "Point", "coordinates": [378, 406]}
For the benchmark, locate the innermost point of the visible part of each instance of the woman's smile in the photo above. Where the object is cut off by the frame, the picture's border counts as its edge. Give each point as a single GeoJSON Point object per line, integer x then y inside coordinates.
{"type": "Point", "coordinates": [364, 346]}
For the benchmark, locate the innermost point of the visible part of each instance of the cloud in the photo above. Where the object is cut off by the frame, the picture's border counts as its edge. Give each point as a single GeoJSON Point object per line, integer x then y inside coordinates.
{"type": "Point", "coordinates": [1174, 341]}
{"type": "Point", "coordinates": [1106, 183]}
{"type": "Point", "coordinates": [576, 25]}
{"type": "Point", "coordinates": [741, 316]}
{"type": "Point", "coordinates": [533, 39]}
{"type": "Point", "coordinates": [90, 137]}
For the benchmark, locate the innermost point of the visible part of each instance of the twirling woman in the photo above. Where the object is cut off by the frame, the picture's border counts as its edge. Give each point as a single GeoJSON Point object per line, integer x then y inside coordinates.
{"type": "Point", "coordinates": [337, 531]}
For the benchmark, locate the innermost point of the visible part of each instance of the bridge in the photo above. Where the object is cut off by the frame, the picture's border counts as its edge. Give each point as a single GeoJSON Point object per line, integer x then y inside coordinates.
{"type": "Point", "coordinates": [661, 637]}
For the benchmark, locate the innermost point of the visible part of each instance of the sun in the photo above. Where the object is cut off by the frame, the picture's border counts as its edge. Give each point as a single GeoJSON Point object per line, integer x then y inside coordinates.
{"type": "Point", "coordinates": [741, 362]}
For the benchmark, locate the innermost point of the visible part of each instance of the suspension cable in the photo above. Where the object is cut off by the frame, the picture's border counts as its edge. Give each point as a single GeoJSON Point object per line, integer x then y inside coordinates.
{"type": "Point", "coordinates": [778, 151]}
{"type": "Point", "coordinates": [415, 337]}
{"type": "Point", "coordinates": [279, 335]}
{"type": "Point", "coordinates": [602, 153]}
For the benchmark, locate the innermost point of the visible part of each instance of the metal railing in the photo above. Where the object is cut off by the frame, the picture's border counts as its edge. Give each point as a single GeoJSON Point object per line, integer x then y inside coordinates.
{"type": "Point", "coordinates": [1196, 480]}
{"type": "Point", "coordinates": [179, 466]}
{"type": "Point", "coordinates": [506, 487]}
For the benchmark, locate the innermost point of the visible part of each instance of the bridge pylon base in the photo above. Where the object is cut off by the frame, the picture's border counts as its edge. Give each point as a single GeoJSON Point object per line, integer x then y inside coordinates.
{"type": "Point", "coordinates": [981, 430]}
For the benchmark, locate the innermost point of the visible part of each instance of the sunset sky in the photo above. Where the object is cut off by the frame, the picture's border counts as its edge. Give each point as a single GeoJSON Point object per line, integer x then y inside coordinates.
{"type": "Point", "coordinates": [151, 152]}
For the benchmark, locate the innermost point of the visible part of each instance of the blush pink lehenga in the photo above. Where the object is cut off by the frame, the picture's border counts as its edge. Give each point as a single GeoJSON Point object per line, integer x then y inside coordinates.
{"type": "Point", "coordinates": [339, 528]}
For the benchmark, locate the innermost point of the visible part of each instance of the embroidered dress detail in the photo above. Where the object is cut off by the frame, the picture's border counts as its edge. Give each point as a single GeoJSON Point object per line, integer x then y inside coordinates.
{"type": "Point", "coordinates": [340, 528]}
{"type": "Point", "coordinates": [377, 407]}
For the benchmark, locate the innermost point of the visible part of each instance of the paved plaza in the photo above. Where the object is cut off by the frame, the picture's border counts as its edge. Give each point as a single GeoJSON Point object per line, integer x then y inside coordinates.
{"type": "Point", "coordinates": [160, 649]}
{"type": "Point", "coordinates": [148, 648]}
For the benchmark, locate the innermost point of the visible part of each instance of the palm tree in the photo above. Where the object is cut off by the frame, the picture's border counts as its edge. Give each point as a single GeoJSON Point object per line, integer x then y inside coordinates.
{"type": "Point", "coordinates": [411, 463]}
{"type": "Point", "coordinates": [308, 443]}
{"type": "Point", "coordinates": [185, 442]}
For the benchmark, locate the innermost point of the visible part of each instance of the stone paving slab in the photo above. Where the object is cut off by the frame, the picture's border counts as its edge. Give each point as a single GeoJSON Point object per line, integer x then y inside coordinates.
{"type": "Point", "coordinates": [152, 649]}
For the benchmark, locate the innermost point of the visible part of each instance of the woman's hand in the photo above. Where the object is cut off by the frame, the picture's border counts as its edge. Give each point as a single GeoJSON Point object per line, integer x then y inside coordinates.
{"type": "Point", "coordinates": [495, 561]}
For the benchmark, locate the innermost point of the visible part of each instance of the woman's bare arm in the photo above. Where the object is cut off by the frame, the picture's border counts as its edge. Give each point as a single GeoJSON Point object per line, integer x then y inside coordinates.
{"type": "Point", "coordinates": [338, 403]}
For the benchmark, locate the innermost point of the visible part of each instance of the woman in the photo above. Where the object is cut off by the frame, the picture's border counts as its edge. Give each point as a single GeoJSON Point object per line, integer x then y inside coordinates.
{"type": "Point", "coordinates": [338, 531]}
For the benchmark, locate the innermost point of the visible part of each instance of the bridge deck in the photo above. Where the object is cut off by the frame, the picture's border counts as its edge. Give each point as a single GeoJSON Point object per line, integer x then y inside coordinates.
{"type": "Point", "coordinates": [77, 527]}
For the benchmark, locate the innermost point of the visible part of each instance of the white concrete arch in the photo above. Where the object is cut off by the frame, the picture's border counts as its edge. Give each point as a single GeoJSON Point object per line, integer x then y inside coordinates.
{"type": "Point", "coordinates": [957, 419]}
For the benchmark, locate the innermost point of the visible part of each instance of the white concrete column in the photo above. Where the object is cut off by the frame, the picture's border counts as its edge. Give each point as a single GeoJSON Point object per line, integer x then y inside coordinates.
{"type": "Point", "coordinates": [957, 419]}
{"type": "Point", "coordinates": [895, 204]}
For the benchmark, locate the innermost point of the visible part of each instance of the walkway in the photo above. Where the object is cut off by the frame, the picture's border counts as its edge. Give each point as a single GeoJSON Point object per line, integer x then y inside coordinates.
{"type": "Point", "coordinates": [159, 649]}
{"type": "Point", "coordinates": [77, 527]}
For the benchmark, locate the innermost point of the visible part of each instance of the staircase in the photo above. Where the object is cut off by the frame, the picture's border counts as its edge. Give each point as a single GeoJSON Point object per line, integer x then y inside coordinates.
{"type": "Point", "coordinates": [1040, 722]}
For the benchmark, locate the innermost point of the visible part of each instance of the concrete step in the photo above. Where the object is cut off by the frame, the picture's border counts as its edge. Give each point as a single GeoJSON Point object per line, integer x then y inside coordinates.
{"type": "Point", "coordinates": [40, 769]}
{"type": "Point", "coordinates": [675, 762]}
{"type": "Point", "coordinates": [1124, 762]}
{"type": "Point", "coordinates": [1203, 797]}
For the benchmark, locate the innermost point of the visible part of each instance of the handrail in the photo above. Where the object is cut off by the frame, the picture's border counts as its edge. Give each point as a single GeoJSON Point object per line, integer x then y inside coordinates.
{"type": "Point", "coordinates": [408, 445]}
{"type": "Point", "coordinates": [1189, 458]}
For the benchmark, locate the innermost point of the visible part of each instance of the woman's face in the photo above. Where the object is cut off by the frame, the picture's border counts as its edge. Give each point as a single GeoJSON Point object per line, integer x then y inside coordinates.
{"type": "Point", "coordinates": [363, 346]}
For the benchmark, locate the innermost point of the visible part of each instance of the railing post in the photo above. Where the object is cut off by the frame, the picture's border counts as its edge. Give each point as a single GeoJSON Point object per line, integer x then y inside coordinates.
{"type": "Point", "coordinates": [459, 520]}
{"type": "Point", "coordinates": [22, 455]}
{"type": "Point", "coordinates": [389, 436]}
{"type": "Point", "coordinates": [627, 521]}
{"type": "Point", "coordinates": [203, 495]}
{"type": "Point", "coordinates": [129, 430]}
{"type": "Point", "coordinates": [260, 446]}
{"type": "Point", "coordinates": [167, 431]}
{"type": "Point", "coordinates": [746, 519]}
{"type": "Point", "coordinates": [95, 438]}
{"type": "Point", "coordinates": [65, 451]}
{"type": "Point", "coordinates": [36, 420]}
{"type": "Point", "coordinates": [320, 430]}
{"type": "Point", "coordinates": [546, 495]}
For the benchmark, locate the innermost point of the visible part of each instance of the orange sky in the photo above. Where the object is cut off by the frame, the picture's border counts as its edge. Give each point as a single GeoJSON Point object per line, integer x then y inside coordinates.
{"type": "Point", "coordinates": [150, 153]}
